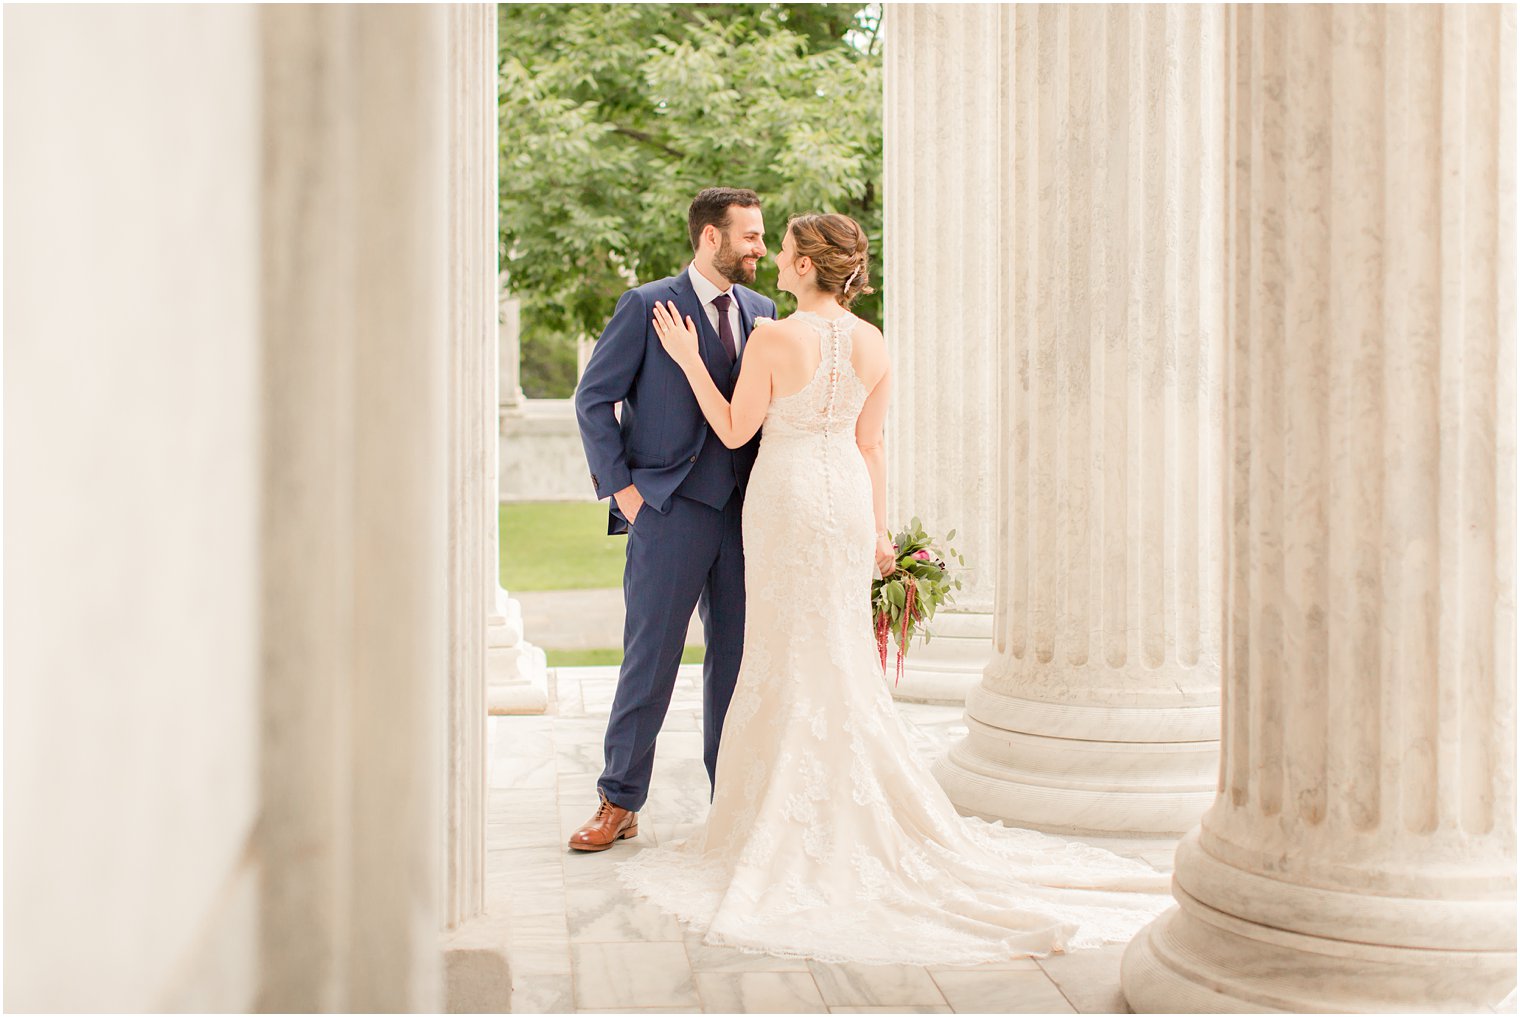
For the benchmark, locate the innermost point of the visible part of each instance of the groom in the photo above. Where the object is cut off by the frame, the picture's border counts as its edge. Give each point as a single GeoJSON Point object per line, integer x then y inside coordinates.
{"type": "Point", "coordinates": [677, 493]}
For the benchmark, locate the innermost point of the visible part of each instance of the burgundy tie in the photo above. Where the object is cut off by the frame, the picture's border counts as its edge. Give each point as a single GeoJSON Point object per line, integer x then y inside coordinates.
{"type": "Point", "coordinates": [725, 330]}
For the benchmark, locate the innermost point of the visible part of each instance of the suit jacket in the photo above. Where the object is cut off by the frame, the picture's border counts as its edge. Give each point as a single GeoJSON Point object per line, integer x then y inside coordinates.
{"type": "Point", "coordinates": [662, 431]}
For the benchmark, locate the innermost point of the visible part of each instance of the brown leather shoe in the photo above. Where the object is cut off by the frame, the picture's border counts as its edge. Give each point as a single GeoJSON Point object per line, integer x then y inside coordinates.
{"type": "Point", "coordinates": [609, 825]}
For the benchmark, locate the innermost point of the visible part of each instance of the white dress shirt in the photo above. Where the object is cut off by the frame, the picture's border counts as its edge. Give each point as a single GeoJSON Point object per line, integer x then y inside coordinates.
{"type": "Point", "coordinates": [706, 291]}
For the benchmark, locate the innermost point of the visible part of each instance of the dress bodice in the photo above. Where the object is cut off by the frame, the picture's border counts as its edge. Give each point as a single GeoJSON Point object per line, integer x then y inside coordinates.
{"type": "Point", "coordinates": [831, 401]}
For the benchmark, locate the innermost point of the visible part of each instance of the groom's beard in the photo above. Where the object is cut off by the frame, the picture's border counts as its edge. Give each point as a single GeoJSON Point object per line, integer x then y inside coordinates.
{"type": "Point", "coordinates": [732, 264]}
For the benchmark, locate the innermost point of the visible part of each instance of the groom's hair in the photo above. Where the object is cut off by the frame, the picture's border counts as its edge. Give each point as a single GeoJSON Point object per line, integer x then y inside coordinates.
{"type": "Point", "coordinates": [710, 208]}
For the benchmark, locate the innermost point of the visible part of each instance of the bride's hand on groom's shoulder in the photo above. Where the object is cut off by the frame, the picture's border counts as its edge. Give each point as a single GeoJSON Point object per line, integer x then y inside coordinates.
{"type": "Point", "coordinates": [678, 338]}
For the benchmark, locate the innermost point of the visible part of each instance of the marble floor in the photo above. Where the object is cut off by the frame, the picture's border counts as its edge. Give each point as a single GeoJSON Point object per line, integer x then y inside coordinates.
{"type": "Point", "coordinates": [578, 943]}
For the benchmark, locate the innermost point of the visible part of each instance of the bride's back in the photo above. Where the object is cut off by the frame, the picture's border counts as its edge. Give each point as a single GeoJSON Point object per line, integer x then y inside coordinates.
{"type": "Point", "coordinates": [801, 336]}
{"type": "Point", "coordinates": [816, 484]}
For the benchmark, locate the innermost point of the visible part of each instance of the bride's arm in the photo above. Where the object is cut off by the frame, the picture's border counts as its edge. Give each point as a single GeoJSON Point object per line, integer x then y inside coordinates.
{"type": "Point", "coordinates": [868, 437]}
{"type": "Point", "coordinates": [737, 423]}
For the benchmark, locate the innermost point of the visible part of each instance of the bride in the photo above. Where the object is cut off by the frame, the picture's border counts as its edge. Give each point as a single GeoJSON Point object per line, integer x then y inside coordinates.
{"type": "Point", "coordinates": [826, 837]}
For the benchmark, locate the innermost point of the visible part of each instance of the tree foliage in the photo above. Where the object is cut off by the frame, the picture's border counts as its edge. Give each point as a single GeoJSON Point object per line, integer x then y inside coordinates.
{"type": "Point", "coordinates": [613, 115]}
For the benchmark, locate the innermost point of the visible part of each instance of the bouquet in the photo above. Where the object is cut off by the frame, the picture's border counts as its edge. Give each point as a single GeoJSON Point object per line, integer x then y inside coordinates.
{"type": "Point", "coordinates": [905, 599]}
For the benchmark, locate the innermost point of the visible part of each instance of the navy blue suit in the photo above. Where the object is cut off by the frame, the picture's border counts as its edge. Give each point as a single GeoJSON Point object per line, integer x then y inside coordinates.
{"type": "Point", "coordinates": [685, 548]}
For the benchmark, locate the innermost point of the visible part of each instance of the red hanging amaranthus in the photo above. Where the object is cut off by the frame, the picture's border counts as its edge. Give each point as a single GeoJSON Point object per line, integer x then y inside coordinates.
{"type": "Point", "coordinates": [884, 631]}
{"type": "Point", "coordinates": [902, 645]}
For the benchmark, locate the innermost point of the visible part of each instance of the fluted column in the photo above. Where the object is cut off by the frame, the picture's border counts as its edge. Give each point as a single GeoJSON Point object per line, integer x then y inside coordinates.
{"type": "Point", "coordinates": [519, 676]}
{"type": "Point", "coordinates": [509, 345]}
{"type": "Point", "coordinates": [518, 670]}
{"type": "Point", "coordinates": [355, 447]}
{"type": "Point", "coordinates": [1360, 854]}
{"type": "Point", "coordinates": [1099, 710]}
{"type": "Point", "coordinates": [942, 170]}
{"type": "Point", "coordinates": [133, 679]}
{"type": "Point", "coordinates": [472, 418]}
{"type": "Point", "coordinates": [400, 480]}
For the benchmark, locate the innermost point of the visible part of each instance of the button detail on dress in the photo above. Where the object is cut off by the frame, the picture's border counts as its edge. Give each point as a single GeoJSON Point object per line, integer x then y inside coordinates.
{"type": "Point", "coordinates": [693, 458]}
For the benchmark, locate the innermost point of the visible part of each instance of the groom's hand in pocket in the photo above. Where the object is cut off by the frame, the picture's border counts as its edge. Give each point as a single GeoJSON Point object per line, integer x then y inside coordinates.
{"type": "Point", "coordinates": [629, 502]}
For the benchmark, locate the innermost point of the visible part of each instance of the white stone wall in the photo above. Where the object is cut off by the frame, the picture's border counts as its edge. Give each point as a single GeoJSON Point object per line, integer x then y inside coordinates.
{"type": "Point", "coordinates": [542, 458]}
{"type": "Point", "coordinates": [132, 482]}
{"type": "Point", "coordinates": [539, 452]}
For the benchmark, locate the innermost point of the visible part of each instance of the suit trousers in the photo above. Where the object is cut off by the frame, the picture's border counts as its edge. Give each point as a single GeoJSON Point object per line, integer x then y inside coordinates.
{"type": "Point", "coordinates": [691, 556]}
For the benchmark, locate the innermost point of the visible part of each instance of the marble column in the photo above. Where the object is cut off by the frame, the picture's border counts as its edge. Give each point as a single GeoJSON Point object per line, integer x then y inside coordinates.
{"type": "Point", "coordinates": [355, 515]}
{"type": "Point", "coordinates": [584, 345]}
{"type": "Point", "coordinates": [133, 504]}
{"type": "Point", "coordinates": [1360, 854]}
{"type": "Point", "coordinates": [1099, 709]}
{"type": "Point", "coordinates": [518, 669]}
{"type": "Point", "coordinates": [473, 942]}
{"type": "Point", "coordinates": [509, 345]}
{"type": "Point", "coordinates": [941, 321]}
{"type": "Point", "coordinates": [519, 675]}
{"type": "Point", "coordinates": [223, 698]}
{"type": "Point", "coordinates": [472, 306]}
{"type": "Point", "coordinates": [401, 500]}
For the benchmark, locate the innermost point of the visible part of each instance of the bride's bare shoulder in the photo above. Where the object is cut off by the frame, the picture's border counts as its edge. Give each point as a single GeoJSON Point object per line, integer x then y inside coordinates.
{"type": "Point", "coordinates": [869, 340]}
{"type": "Point", "coordinates": [869, 354]}
{"type": "Point", "coordinates": [869, 333]}
{"type": "Point", "coordinates": [776, 336]}
{"type": "Point", "coordinates": [791, 325]}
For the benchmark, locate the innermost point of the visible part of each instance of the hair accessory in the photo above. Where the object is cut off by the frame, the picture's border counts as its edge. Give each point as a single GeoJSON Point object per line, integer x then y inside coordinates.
{"type": "Point", "coordinates": [851, 278]}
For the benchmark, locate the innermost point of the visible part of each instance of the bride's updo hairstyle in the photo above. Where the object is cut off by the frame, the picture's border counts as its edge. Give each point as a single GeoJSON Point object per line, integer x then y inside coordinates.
{"type": "Point", "coordinates": [839, 250]}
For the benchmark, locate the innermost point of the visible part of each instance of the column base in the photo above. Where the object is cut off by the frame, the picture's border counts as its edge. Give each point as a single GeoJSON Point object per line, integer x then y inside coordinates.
{"type": "Point", "coordinates": [1066, 810]}
{"type": "Point", "coordinates": [1194, 959]}
{"type": "Point", "coordinates": [949, 666]}
{"type": "Point", "coordinates": [1310, 948]}
{"type": "Point", "coordinates": [1054, 767]}
{"type": "Point", "coordinates": [477, 971]}
{"type": "Point", "coordinates": [513, 404]}
{"type": "Point", "coordinates": [518, 681]}
{"type": "Point", "coordinates": [517, 672]}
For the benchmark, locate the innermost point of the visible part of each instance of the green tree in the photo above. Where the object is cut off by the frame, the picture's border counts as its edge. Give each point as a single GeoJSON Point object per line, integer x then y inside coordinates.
{"type": "Point", "coordinates": [612, 116]}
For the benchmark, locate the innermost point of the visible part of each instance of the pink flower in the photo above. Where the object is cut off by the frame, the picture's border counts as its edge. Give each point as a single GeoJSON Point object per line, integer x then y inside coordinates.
{"type": "Point", "coordinates": [921, 554]}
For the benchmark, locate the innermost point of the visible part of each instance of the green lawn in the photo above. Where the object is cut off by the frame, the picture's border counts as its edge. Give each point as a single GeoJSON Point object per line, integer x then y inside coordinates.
{"type": "Point", "coordinates": [563, 545]}
{"type": "Point", "coordinates": [559, 545]}
{"type": "Point", "coordinates": [607, 658]}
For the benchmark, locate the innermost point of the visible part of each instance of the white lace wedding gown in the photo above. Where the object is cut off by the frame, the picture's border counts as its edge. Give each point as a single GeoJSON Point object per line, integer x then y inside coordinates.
{"type": "Point", "coordinates": [827, 837]}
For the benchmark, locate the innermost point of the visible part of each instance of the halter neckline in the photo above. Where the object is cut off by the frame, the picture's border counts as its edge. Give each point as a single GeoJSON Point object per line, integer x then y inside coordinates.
{"type": "Point", "coordinates": [829, 321]}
